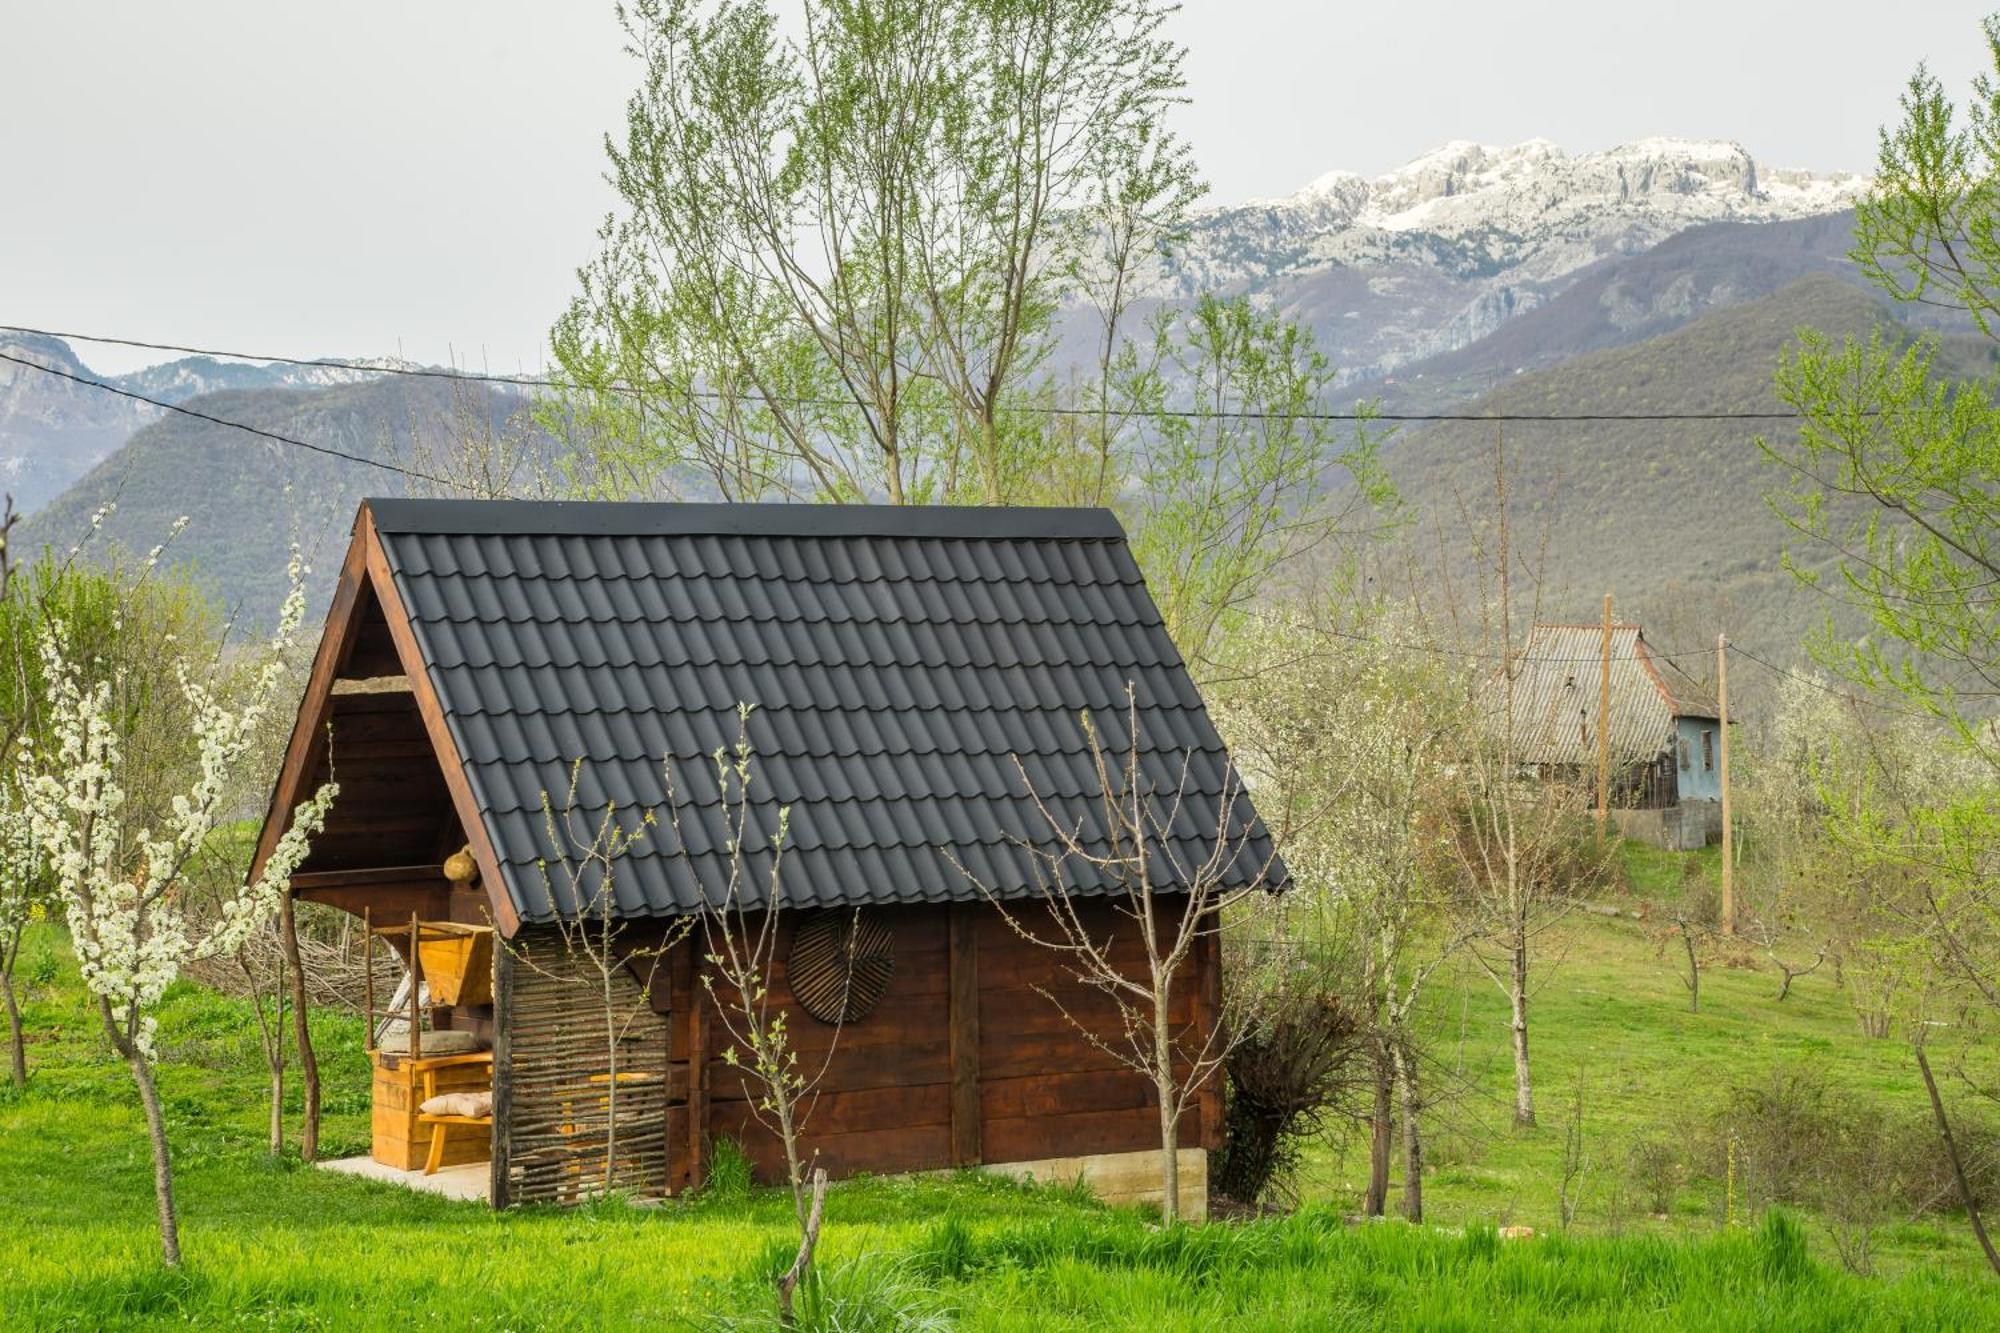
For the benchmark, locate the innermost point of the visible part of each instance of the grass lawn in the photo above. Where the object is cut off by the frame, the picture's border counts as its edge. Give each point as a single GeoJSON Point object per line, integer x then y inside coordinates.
{"type": "Point", "coordinates": [1611, 1024]}
{"type": "Point", "coordinates": [275, 1244]}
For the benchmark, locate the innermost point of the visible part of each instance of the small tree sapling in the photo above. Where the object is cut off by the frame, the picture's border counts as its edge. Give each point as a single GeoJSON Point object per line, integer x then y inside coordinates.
{"type": "Point", "coordinates": [1169, 894]}
{"type": "Point", "coordinates": [585, 848]}
{"type": "Point", "coordinates": [739, 938]}
{"type": "Point", "coordinates": [122, 888]}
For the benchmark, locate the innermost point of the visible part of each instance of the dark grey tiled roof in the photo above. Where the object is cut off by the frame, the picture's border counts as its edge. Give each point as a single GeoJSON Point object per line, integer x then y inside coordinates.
{"type": "Point", "coordinates": [898, 660]}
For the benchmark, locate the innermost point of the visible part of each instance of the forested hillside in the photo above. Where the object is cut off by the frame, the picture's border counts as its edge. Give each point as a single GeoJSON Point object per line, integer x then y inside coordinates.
{"type": "Point", "coordinates": [246, 498]}
{"type": "Point", "coordinates": [1669, 515]}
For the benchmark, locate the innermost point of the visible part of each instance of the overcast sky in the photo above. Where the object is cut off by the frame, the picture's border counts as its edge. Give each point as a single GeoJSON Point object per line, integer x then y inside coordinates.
{"type": "Point", "coordinates": [422, 177]}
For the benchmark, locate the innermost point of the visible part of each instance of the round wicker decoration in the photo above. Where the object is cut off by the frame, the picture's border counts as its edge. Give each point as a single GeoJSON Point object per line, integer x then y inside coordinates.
{"type": "Point", "coordinates": [841, 963]}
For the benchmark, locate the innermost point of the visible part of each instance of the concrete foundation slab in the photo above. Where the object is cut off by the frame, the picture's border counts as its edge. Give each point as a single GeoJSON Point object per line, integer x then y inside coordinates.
{"type": "Point", "coordinates": [1122, 1177]}
{"type": "Point", "coordinates": [470, 1182]}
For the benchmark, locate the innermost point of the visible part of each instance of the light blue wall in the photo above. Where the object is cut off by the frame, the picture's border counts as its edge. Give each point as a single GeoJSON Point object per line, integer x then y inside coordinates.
{"type": "Point", "coordinates": [1698, 781]}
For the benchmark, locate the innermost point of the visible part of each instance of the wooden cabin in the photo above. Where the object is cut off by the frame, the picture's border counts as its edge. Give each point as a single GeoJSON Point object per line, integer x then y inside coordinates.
{"type": "Point", "coordinates": [907, 668]}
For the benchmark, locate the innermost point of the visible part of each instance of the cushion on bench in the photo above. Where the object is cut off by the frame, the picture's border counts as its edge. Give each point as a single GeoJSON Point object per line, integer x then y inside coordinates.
{"type": "Point", "coordinates": [472, 1104]}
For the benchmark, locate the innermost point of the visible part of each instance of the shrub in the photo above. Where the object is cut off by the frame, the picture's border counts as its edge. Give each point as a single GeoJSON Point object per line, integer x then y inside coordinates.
{"type": "Point", "coordinates": [730, 1175]}
{"type": "Point", "coordinates": [1286, 1077]}
{"type": "Point", "coordinates": [1800, 1141]}
{"type": "Point", "coordinates": [1657, 1169]}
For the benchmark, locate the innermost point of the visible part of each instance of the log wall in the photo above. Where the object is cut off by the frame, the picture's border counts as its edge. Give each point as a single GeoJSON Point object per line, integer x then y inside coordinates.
{"type": "Point", "coordinates": [965, 1060]}
{"type": "Point", "coordinates": [985, 1069]}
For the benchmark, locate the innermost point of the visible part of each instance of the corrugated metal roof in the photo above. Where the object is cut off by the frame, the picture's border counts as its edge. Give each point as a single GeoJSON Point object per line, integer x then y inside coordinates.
{"type": "Point", "coordinates": [1557, 676]}
{"type": "Point", "coordinates": [898, 659]}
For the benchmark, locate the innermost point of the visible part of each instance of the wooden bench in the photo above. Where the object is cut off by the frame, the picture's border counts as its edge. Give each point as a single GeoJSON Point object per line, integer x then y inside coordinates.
{"type": "Point", "coordinates": [427, 1071]}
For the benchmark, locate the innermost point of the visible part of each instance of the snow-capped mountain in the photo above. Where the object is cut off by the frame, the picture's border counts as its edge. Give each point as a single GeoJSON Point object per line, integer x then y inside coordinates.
{"type": "Point", "coordinates": [1442, 251]}
{"type": "Point", "coordinates": [53, 430]}
{"type": "Point", "coordinates": [178, 381]}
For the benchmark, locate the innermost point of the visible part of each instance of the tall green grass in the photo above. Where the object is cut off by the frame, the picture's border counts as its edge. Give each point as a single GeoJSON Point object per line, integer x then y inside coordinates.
{"type": "Point", "coordinates": [1314, 1270]}
{"type": "Point", "coordinates": [273, 1244]}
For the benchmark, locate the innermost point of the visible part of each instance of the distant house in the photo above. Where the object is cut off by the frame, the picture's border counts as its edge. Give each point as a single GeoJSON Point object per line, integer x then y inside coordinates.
{"type": "Point", "coordinates": [1666, 786]}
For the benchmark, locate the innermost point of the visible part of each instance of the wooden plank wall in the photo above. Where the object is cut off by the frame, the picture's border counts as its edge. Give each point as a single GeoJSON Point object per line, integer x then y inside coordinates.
{"type": "Point", "coordinates": [951, 1070]}
{"type": "Point", "coordinates": [558, 1114]}
{"type": "Point", "coordinates": [883, 1102]}
{"type": "Point", "coordinates": [393, 801]}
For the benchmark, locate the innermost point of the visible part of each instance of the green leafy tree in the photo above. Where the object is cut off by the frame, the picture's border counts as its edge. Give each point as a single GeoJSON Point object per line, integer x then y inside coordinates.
{"type": "Point", "coordinates": [1230, 471]}
{"type": "Point", "coordinates": [840, 252]}
{"type": "Point", "coordinates": [1896, 475]}
{"type": "Point", "coordinates": [845, 258]}
{"type": "Point", "coordinates": [1896, 471]}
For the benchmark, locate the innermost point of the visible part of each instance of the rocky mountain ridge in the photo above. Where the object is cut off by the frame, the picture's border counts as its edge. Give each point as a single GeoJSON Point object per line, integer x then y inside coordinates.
{"type": "Point", "coordinates": [1446, 249]}
{"type": "Point", "coordinates": [54, 430]}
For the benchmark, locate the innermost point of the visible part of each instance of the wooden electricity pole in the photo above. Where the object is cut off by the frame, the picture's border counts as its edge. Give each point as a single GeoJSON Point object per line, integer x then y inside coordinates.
{"type": "Point", "coordinates": [1728, 844]}
{"type": "Point", "coordinates": [1604, 727]}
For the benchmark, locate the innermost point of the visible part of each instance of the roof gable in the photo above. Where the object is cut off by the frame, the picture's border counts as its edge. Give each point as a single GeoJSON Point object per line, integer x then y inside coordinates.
{"type": "Point", "coordinates": [906, 667]}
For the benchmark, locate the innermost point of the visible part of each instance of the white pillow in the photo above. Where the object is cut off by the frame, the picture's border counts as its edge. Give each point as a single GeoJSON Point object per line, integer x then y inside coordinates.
{"type": "Point", "coordinates": [459, 1103]}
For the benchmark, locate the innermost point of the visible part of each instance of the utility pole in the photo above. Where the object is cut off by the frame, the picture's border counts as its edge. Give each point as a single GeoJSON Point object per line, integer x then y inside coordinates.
{"type": "Point", "coordinates": [1728, 843]}
{"type": "Point", "coordinates": [1604, 728]}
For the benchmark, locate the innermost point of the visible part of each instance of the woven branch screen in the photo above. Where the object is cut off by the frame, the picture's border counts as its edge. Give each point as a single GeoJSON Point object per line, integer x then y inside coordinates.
{"type": "Point", "coordinates": [571, 1136]}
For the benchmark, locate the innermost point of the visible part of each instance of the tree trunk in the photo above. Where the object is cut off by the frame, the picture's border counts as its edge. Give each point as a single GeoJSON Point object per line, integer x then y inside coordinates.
{"type": "Point", "coordinates": [1517, 993]}
{"type": "Point", "coordinates": [1382, 1127]}
{"type": "Point", "coordinates": [1957, 1167]}
{"type": "Point", "coordinates": [1413, 1144]}
{"type": "Point", "coordinates": [278, 1108]}
{"type": "Point", "coordinates": [156, 1130]}
{"type": "Point", "coordinates": [1170, 1155]}
{"type": "Point", "coordinates": [17, 1045]}
{"type": "Point", "coordinates": [288, 931]}
{"type": "Point", "coordinates": [788, 1282]}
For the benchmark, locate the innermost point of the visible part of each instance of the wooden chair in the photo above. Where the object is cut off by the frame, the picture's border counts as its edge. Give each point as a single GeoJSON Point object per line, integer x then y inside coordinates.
{"type": "Point", "coordinates": [441, 1125]}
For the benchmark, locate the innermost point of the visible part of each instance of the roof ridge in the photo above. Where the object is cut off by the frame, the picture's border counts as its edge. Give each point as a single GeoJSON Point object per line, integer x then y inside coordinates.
{"type": "Point", "coordinates": [642, 518]}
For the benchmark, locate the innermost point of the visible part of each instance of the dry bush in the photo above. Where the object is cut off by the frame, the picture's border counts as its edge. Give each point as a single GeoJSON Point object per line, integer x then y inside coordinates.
{"type": "Point", "coordinates": [1799, 1140]}
{"type": "Point", "coordinates": [1658, 1169]}
{"type": "Point", "coordinates": [1289, 1076]}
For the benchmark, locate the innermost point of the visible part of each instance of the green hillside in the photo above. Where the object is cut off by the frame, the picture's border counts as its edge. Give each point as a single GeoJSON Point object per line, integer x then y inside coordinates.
{"type": "Point", "coordinates": [1666, 514]}
{"type": "Point", "coordinates": [247, 499]}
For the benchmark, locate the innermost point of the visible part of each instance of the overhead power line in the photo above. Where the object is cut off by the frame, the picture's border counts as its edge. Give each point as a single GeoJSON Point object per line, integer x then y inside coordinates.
{"type": "Point", "coordinates": [416, 475]}
{"type": "Point", "coordinates": [210, 417]}
{"type": "Point", "coordinates": [315, 363]}
{"type": "Point", "coordinates": [1353, 415]}
{"type": "Point", "coordinates": [521, 381]}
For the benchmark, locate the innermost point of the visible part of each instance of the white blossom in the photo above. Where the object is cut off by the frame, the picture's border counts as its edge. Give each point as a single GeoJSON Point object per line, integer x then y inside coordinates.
{"type": "Point", "coordinates": [120, 889]}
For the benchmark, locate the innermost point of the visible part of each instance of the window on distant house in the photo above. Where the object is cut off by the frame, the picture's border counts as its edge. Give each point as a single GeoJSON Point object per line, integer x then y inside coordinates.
{"type": "Point", "coordinates": [1687, 756]}
{"type": "Point", "coordinates": [1707, 751]}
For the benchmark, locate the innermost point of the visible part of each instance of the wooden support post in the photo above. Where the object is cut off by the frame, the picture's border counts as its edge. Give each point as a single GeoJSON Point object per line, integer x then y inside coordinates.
{"type": "Point", "coordinates": [416, 991]}
{"type": "Point", "coordinates": [1604, 728]}
{"type": "Point", "coordinates": [1728, 841]}
{"type": "Point", "coordinates": [697, 1098]}
{"type": "Point", "coordinates": [499, 1187]}
{"type": "Point", "coordinates": [1208, 962]}
{"type": "Point", "coordinates": [963, 1024]}
{"type": "Point", "coordinates": [368, 977]}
